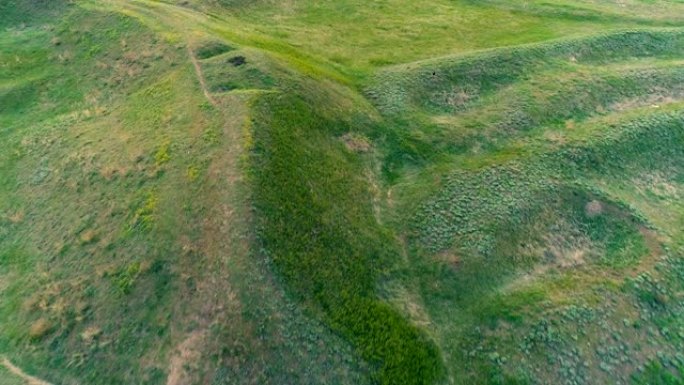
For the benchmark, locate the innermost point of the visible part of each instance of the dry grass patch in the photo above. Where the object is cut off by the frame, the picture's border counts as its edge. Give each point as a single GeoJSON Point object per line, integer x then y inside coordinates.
{"type": "Point", "coordinates": [111, 172]}
{"type": "Point", "coordinates": [90, 334]}
{"type": "Point", "coordinates": [39, 328]}
{"type": "Point", "coordinates": [410, 304]}
{"type": "Point", "coordinates": [17, 217]}
{"type": "Point", "coordinates": [186, 357]}
{"type": "Point", "coordinates": [88, 237]}
{"type": "Point", "coordinates": [356, 142]}
{"type": "Point", "coordinates": [593, 209]}
{"type": "Point", "coordinates": [658, 183]}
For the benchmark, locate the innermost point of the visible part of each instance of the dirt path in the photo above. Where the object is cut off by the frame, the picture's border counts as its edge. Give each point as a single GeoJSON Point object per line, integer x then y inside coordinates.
{"type": "Point", "coordinates": [30, 380]}
{"type": "Point", "coordinates": [200, 77]}
{"type": "Point", "coordinates": [189, 351]}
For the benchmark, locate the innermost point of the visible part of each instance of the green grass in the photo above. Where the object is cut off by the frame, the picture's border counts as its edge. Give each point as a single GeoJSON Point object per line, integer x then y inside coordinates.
{"type": "Point", "coordinates": [103, 234]}
{"type": "Point", "coordinates": [235, 192]}
{"type": "Point", "coordinates": [656, 374]}
{"type": "Point", "coordinates": [7, 378]}
{"type": "Point", "coordinates": [308, 192]}
{"type": "Point", "coordinates": [360, 35]}
{"type": "Point", "coordinates": [508, 235]}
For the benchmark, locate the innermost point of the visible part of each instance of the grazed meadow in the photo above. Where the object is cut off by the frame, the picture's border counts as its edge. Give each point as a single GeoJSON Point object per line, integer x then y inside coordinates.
{"type": "Point", "coordinates": [343, 192]}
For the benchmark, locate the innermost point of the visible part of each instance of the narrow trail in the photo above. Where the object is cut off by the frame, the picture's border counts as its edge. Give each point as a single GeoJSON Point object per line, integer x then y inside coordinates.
{"type": "Point", "coordinates": [30, 380]}
{"type": "Point", "coordinates": [200, 77]}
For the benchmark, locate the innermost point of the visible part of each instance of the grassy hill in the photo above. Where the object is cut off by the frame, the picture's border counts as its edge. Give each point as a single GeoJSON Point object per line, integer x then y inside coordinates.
{"type": "Point", "coordinates": [302, 192]}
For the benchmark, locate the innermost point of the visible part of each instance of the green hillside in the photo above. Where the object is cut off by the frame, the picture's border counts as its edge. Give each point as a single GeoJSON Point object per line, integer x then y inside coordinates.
{"type": "Point", "coordinates": [341, 192]}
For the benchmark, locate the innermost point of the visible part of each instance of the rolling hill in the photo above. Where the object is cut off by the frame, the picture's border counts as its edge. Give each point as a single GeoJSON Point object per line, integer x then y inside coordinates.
{"type": "Point", "coordinates": [341, 192]}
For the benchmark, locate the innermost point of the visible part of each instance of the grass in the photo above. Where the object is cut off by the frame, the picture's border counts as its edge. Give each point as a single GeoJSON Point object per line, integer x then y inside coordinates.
{"type": "Point", "coordinates": [503, 226]}
{"type": "Point", "coordinates": [7, 378]}
{"type": "Point", "coordinates": [97, 208]}
{"type": "Point", "coordinates": [357, 35]}
{"type": "Point", "coordinates": [306, 217]}
{"type": "Point", "coordinates": [341, 192]}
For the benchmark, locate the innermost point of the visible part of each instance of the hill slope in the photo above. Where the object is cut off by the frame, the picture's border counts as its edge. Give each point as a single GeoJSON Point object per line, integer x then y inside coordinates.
{"type": "Point", "coordinates": [233, 192]}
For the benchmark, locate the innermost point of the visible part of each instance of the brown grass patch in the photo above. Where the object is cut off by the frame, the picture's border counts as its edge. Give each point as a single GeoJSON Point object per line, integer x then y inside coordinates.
{"type": "Point", "coordinates": [31, 303]}
{"type": "Point", "coordinates": [185, 357]}
{"type": "Point", "coordinates": [356, 142]}
{"type": "Point", "coordinates": [658, 183]}
{"type": "Point", "coordinates": [593, 209]}
{"type": "Point", "coordinates": [411, 305]}
{"type": "Point", "coordinates": [90, 334]}
{"type": "Point", "coordinates": [16, 217]}
{"type": "Point", "coordinates": [109, 172]}
{"type": "Point", "coordinates": [458, 97]}
{"type": "Point", "coordinates": [450, 258]}
{"type": "Point", "coordinates": [555, 137]}
{"type": "Point", "coordinates": [566, 251]}
{"type": "Point", "coordinates": [39, 328]}
{"type": "Point", "coordinates": [654, 100]}
{"type": "Point", "coordinates": [88, 236]}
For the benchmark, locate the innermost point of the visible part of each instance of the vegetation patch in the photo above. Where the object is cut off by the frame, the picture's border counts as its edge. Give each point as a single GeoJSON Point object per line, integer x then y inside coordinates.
{"type": "Point", "coordinates": [326, 243]}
